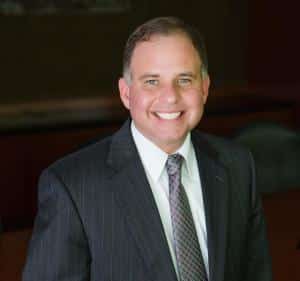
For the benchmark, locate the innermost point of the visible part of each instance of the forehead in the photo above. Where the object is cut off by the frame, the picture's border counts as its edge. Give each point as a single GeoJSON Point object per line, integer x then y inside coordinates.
{"type": "Point", "coordinates": [164, 52]}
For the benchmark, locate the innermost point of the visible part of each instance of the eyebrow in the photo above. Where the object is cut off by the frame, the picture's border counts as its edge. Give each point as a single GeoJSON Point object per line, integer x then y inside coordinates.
{"type": "Point", "coordinates": [153, 75]}
{"type": "Point", "coordinates": [189, 74]}
{"type": "Point", "coordinates": [148, 75]}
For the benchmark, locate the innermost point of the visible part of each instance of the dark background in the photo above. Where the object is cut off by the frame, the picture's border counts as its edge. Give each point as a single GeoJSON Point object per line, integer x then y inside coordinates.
{"type": "Point", "coordinates": [253, 43]}
{"type": "Point", "coordinates": [63, 55]}
{"type": "Point", "coordinates": [58, 77]}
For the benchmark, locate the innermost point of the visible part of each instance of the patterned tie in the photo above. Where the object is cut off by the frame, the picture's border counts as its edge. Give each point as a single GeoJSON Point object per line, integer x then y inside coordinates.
{"type": "Point", "coordinates": [188, 253]}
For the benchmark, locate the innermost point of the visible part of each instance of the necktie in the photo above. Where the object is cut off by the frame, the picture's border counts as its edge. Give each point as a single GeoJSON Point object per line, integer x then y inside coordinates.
{"type": "Point", "coordinates": [187, 250]}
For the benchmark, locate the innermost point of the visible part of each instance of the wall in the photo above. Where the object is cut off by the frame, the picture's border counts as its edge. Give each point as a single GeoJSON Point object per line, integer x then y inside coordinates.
{"type": "Point", "coordinates": [273, 53]}
{"type": "Point", "coordinates": [80, 55]}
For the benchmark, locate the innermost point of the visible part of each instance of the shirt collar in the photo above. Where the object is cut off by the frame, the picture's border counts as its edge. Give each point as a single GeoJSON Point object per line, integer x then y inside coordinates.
{"type": "Point", "coordinates": [151, 153]}
{"type": "Point", "coordinates": [186, 151]}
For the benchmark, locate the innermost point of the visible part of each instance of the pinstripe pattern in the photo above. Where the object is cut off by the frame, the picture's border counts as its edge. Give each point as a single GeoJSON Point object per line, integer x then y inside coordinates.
{"type": "Point", "coordinates": [97, 219]}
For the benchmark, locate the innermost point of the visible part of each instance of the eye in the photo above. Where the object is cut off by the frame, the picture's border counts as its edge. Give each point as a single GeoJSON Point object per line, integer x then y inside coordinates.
{"type": "Point", "coordinates": [184, 81]}
{"type": "Point", "coordinates": [152, 82]}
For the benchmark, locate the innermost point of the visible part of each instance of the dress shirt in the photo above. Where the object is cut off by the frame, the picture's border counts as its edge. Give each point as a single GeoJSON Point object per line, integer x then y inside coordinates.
{"type": "Point", "coordinates": [154, 161]}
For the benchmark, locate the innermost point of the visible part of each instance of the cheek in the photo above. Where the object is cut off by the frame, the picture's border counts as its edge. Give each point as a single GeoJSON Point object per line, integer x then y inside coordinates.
{"type": "Point", "coordinates": [194, 100]}
{"type": "Point", "coordinates": [140, 102]}
{"type": "Point", "coordinates": [195, 106]}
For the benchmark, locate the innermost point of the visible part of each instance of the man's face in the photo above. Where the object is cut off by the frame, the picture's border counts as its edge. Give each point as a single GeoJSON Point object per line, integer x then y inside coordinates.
{"type": "Point", "coordinates": [167, 92]}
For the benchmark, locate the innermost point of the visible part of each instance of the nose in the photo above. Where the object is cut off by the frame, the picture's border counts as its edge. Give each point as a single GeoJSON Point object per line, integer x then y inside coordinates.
{"type": "Point", "coordinates": [170, 94]}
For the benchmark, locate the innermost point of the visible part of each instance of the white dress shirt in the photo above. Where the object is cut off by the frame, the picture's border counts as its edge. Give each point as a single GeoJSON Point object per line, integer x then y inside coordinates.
{"type": "Point", "coordinates": [154, 160]}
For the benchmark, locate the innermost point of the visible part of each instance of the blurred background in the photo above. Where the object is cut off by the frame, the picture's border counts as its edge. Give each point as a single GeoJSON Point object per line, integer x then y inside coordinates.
{"type": "Point", "coordinates": [59, 66]}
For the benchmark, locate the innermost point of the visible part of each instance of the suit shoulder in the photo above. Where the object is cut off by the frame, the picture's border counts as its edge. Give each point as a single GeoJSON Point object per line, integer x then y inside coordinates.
{"type": "Point", "coordinates": [85, 158]}
{"type": "Point", "coordinates": [225, 149]}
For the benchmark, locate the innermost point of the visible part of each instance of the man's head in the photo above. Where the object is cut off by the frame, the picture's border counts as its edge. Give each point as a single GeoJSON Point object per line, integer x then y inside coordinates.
{"type": "Point", "coordinates": [163, 26]}
{"type": "Point", "coordinates": [165, 83]}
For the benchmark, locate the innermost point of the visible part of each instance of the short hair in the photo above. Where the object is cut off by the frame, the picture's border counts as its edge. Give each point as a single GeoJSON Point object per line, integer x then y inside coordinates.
{"type": "Point", "coordinates": [164, 26]}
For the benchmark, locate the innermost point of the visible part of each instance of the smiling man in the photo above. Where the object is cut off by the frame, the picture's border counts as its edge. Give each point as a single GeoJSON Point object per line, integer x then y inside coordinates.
{"type": "Point", "coordinates": [165, 89]}
{"type": "Point", "coordinates": [157, 200]}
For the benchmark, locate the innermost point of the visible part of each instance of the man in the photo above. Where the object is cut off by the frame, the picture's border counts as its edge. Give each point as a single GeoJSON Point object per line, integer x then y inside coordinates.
{"type": "Point", "coordinates": [157, 200]}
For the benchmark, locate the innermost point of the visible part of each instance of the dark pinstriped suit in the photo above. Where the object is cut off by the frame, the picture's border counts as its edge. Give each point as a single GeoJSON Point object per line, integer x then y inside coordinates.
{"type": "Point", "coordinates": [98, 220]}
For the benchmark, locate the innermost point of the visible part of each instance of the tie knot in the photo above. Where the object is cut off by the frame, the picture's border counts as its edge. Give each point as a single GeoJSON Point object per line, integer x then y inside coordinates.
{"type": "Point", "coordinates": [174, 162]}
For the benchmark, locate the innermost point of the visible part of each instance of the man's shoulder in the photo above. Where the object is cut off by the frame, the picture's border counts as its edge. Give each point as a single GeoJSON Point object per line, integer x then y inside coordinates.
{"type": "Point", "coordinates": [93, 159]}
{"type": "Point", "coordinates": [85, 157]}
{"type": "Point", "coordinates": [224, 148]}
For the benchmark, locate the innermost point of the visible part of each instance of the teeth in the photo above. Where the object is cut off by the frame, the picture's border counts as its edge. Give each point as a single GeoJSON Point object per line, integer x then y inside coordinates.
{"type": "Point", "coordinates": [168, 116]}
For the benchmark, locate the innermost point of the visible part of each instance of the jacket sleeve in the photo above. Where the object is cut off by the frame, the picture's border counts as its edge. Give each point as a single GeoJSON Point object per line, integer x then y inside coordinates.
{"type": "Point", "coordinates": [259, 260]}
{"type": "Point", "coordinates": [58, 250]}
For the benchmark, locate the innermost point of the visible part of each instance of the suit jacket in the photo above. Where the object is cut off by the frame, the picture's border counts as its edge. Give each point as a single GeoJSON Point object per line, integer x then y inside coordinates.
{"type": "Point", "coordinates": [98, 221]}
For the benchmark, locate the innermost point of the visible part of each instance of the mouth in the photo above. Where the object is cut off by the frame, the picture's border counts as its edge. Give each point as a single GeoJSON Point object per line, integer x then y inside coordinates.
{"type": "Point", "coordinates": [168, 116]}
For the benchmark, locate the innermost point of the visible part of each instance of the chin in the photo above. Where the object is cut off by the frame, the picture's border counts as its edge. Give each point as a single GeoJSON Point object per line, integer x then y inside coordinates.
{"type": "Point", "coordinates": [172, 142]}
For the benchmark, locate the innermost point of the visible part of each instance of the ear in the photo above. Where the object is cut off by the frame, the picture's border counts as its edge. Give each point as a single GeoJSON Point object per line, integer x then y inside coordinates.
{"type": "Point", "coordinates": [205, 87]}
{"type": "Point", "coordinates": [124, 92]}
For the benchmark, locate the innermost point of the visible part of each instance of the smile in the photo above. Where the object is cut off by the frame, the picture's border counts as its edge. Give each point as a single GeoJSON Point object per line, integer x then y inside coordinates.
{"type": "Point", "coordinates": [168, 116]}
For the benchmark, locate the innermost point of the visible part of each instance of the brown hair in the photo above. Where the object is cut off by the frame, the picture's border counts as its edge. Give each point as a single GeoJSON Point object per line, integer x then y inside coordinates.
{"type": "Point", "coordinates": [163, 26]}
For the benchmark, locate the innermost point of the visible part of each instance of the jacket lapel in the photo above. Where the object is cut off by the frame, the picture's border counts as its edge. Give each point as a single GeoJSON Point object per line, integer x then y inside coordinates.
{"type": "Point", "coordinates": [134, 196]}
{"type": "Point", "coordinates": [214, 183]}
